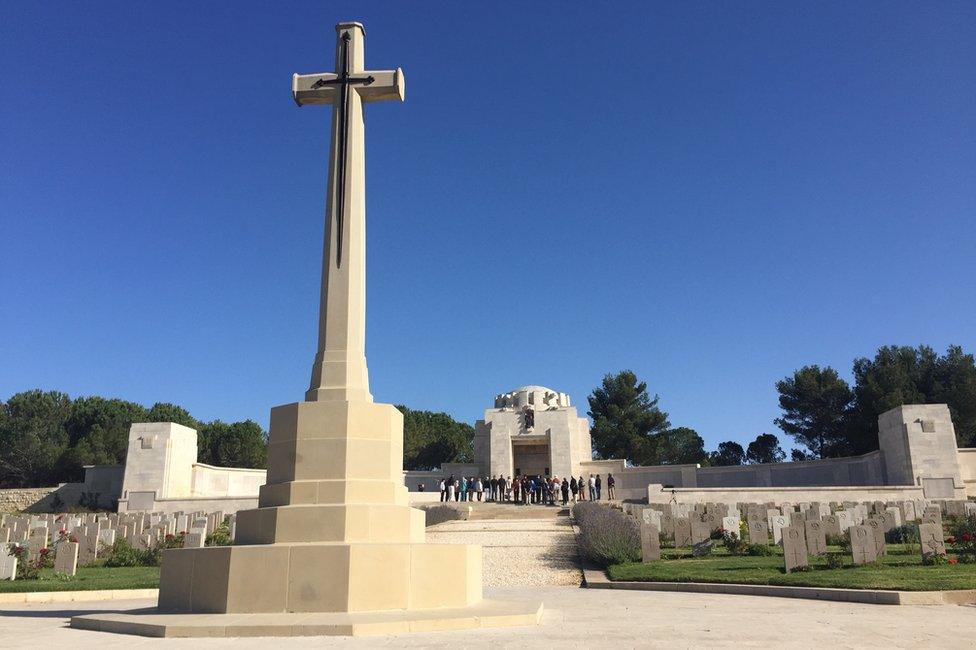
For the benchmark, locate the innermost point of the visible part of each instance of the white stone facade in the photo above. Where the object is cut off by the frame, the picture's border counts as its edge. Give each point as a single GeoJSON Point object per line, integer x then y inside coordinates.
{"type": "Point", "coordinates": [532, 430]}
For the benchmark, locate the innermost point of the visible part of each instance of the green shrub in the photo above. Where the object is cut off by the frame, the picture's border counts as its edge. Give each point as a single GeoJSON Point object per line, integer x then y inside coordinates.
{"type": "Point", "coordinates": [123, 554]}
{"type": "Point", "coordinates": [734, 544]}
{"type": "Point", "coordinates": [935, 560]}
{"type": "Point", "coordinates": [607, 536]}
{"type": "Point", "coordinates": [220, 536]}
{"type": "Point", "coordinates": [964, 532]}
{"type": "Point", "coordinates": [834, 560]}
{"type": "Point", "coordinates": [25, 570]}
{"type": "Point", "coordinates": [760, 550]}
{"type": "Point", "coordinates": [46, 559]}
{"type": "Point", "coordinates": [906, 534]}
{"type": "Point", "coordinates": [441, 512]}
{"type": "Point", "coordinates": [835, 540]}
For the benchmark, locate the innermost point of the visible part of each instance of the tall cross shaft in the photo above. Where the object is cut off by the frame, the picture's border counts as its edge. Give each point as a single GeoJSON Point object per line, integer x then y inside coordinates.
{"type": "Point", "coordinates": [339, 370]}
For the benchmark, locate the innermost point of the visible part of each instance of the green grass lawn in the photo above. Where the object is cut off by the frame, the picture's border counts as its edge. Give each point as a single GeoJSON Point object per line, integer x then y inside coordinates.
{"type": "Point", "coordinates": [898, 570]}
{"type": "Point", "coordinates": [87, 578]}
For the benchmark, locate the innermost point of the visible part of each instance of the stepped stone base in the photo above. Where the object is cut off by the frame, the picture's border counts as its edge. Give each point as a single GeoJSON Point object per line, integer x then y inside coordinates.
{"type": "Point", "coordinates": [149, 622]}
{"type": "Point", "coordinates": [319, 577]}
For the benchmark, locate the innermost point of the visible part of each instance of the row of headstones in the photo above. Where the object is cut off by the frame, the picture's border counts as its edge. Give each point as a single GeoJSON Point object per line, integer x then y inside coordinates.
{"type": "Point", "coordinates": [801, 532]}
{"type": "Point", "coordinates": [80, 539]}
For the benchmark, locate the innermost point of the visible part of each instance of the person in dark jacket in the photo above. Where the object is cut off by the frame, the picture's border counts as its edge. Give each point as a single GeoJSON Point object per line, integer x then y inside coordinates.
{"type": "Point", "coordinates": [610, 485]}
{"type": "Point", "coordinates": [598, 486]}
{"type": "Point", "coordinates": [565, 491]}
{"type": "Point", "coordinates": [574, 488]}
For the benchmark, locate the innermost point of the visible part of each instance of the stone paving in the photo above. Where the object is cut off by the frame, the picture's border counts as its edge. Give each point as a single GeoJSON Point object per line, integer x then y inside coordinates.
{"type": "Point", "coordinates": [576, 618]}
{"type": "Point", "coordinates": [518, 552]}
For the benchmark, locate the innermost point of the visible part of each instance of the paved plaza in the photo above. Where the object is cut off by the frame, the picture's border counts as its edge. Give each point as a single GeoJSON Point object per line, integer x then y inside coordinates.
{"type": "Point", "coordinates": [577, 618]}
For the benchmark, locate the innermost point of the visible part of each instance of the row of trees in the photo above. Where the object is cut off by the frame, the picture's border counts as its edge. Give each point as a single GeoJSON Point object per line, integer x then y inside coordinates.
{"type": "Point", "coordinates": [46, 437]}
{"type": "Point", "coordinates": [430, 439]}
{"type": "Point", "coordinates": [628, 423]}
{"type": "Point", "coordinates": [829, 418]}
{"type": "Point", "coordinates": [822, 413]}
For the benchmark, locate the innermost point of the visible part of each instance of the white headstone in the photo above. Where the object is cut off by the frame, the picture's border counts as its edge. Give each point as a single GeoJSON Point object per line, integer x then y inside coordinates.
{"type": "Point", "coordinates": [8, 564]}
{"type": "Point", "coordinates": [66, 560]}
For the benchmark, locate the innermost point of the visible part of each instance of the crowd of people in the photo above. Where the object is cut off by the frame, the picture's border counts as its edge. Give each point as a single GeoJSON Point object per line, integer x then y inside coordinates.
{"type": "Point", "coordinates": [525, 490]}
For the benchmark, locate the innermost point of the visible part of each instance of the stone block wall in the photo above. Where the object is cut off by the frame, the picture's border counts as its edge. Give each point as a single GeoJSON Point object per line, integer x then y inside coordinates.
{"type": "Point", "coordinates": [16, 499]}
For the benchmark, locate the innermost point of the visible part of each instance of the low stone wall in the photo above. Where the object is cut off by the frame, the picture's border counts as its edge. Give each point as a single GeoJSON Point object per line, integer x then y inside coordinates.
{"type": "Point", "coordinates": [659, 494]}
{"type": "Point", "coordinates": [16, 499]}
{"type": "Point", "coordinates": [227, 505]}
{"type": "Point", "coordinates": [211, 481]}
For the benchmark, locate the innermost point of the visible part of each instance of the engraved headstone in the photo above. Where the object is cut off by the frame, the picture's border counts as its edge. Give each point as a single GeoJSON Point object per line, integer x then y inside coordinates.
{"type": "Point", "coordinates": [667, 525]}
{"type": "Point", "coordinates": [863, 545]}
{"type": "Point", "coordinates": [816, 538]}
{"type": "Point", "coordinates": [758, 533]}
{"type": "Point", "coordinates": [682, 532]}
{"type": "Point", "coordinates": [652, 517]}
{"type": "Point", "coordinates": [66, 559]}
{"type": "Point", "coordinates": [778, 524]}
{"type": "Point", "coordinates": [831, 526]}
{"type": "Point", "coordinates": [712, 520]}
{"type": "Point", "coordinates": [845, 519]}
{"type": "Point", "coordinates": [930, 537]}
{"type": "Point", "coordinates": [700, 531]}
{"type": "Point", "coordinates": [896, 515]}
{"type": "Point", "coordinates": [731, 525]}
{"type": "Point", "coordinates": [887, 519]}
{"type": "Point", "coordinates": [794, 548]}
{"type": "Point", "coordinates": [194, 540]}
{"type": "Point", "coordinates": [650, 542]}
{"type": "Point", "coordinates": [876, 525]}
{"type": "Point", "coordinates": [8, 564]}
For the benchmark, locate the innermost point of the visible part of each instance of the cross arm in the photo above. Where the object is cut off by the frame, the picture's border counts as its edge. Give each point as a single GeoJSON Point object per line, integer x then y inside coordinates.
{"type": "Point", "coordinates": [372, 86]}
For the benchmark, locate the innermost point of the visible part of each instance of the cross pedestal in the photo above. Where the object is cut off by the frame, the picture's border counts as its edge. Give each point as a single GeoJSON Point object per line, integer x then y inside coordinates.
{"type": "Point", "coordinates": [333, 546]}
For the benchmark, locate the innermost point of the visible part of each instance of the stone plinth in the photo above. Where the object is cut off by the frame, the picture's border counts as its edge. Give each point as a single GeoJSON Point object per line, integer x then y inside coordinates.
{"type": "Point", "coordinates": [334, 533]}
{"type": "Point", "coordinates": [487, 613]}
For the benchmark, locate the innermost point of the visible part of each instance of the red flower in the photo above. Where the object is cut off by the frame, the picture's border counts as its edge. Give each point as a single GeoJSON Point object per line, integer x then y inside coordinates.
{"type": "Point", "coordinates": [966, 537]}
{"type": "Point", "coordinates": [45, 551]}
{"type": "Point", "coordinates": [63, 531]}
{"type": "Point", "coordinates": [168, 536]}
{"type": "Point", "coordinates": [953, 560]}
{"type": "Point", "coordinates": [950, 540]}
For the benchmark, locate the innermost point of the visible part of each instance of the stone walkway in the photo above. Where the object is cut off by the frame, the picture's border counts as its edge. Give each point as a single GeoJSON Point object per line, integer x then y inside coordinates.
{"type": "Point", "coordinates": [577, 618]}
{"type": "Point", "coordinates": [517, 552]}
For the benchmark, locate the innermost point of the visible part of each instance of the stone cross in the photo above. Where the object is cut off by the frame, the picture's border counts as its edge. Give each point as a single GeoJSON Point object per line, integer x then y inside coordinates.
{"type": "Point", "coordinates": [794, 548]}
{"type": "Point", "coordinates": [863, 546]}
{"type": "Point", "coordinates": [650, 542]}
{"type": "Point", "coordinates": [339, 372]}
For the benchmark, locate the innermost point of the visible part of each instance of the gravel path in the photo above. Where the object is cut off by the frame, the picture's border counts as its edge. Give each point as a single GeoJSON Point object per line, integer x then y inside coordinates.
{"type": "Point", "coordinates": [526, 552]}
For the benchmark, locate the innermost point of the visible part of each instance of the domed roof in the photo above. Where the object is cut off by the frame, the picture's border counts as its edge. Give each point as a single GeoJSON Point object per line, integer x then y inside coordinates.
{"type": "Point", "coordinates": [533, 388]}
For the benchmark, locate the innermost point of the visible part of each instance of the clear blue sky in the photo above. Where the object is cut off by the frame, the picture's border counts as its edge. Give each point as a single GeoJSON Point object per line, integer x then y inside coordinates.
{"type": "Point", "coordinates": [710, 194]}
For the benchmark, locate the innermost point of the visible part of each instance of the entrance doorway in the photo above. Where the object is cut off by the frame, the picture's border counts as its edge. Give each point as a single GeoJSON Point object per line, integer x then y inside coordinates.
{"type": "Point", "coordinates": [531, 459]}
